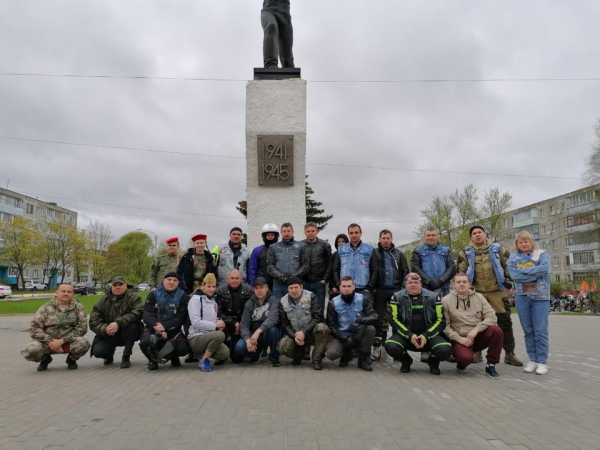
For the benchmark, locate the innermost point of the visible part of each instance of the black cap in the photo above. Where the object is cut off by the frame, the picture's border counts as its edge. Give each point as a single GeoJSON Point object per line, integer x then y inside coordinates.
{"type": "Point", "coordinates": [171, 275]}
{"type": "Point", "coordinates": [475, 227]}
{"type": "Point", "coordinates": [260, 281]}
{"type": "Point", "coordinates": [294, 280]}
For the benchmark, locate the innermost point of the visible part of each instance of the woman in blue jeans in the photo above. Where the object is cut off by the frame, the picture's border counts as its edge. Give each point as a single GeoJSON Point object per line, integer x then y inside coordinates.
{"type": "Point", "coordinates": [530, 270]}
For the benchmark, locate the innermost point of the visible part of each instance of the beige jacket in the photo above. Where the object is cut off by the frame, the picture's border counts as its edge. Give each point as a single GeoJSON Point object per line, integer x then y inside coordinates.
{"type": "Point", "coordinates": [464, 314]}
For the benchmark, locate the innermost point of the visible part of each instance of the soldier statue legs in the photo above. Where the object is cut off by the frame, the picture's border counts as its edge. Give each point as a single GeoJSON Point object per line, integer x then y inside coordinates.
{"type": "Point", "coordinates": [278, 39]}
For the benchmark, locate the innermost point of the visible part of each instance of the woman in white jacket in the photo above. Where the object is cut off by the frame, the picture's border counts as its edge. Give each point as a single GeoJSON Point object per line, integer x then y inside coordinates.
{"type": "Point", "coordinates": [206, 336]}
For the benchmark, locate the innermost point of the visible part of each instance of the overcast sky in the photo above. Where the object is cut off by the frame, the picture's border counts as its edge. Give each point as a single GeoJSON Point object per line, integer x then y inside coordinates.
{"type": "Point", "coordinates": [536, 128]}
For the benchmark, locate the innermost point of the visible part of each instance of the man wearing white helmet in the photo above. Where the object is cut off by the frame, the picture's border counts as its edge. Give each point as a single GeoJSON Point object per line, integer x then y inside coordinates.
{"type": "Point", "coordinates": [257, 266]}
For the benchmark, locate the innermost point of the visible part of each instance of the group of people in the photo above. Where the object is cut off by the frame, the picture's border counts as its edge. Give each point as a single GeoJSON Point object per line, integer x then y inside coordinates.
{"type": "Point", "coordinates": [300, 300]}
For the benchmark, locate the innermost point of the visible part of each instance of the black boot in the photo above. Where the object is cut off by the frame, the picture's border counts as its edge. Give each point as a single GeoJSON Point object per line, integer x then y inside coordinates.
{"type": "Point", "coordinates": [43, 365]}
{"type": "Point", "coordinates": [406, 363]}
{"type": "Point", "coordinates": [346, 358]}
{"type": "Point", "coordinates": [317, 364]}
{"type": "Point", "coordinates": [125, 362]}
{"type": "Point", "coordinates": [152, 365]}
{"type": "Point", "coordinates": [434, 366]}
{"type": "Point", "coordinates": [108, 361]}
{"type": "Point", "coordinates": [71, 363]}
{"type": "Point", "coordinates": [175, 362]}
{"type": "Point", "coordinates": [365, 363]}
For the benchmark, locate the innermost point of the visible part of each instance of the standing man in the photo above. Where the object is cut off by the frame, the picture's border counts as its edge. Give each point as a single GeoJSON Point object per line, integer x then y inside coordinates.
{"type": "Point", "coordinates": [58, 326]}
{"type": "Point", "coordinates": [354, 260]}
{"type": "Point", "coordinates": [471, 325]}
{"type": "Point", "coordinates": [285, 260]}
{"type": "Point", "coordinates": [417, 320]}
{"type": "Point", "coordinates": [388, 268]}
{"type": "Point", "coordinates": [351, 319]}
{"type": "Point", "coordinates": [301, 324]}
{"type": "Point", "coordinates": [231, 299]}
{"type": "Point", "coordinates": [486, 266]}
{"type": "Point", "coordinates": [434, 263]}
{"type": "Point", "coordinates": [318, 258]}
{"type": "Point", "coordinates": [165, 316]}
{"type": "Point", "coordinates": [116, 320]}
{"type": "Point", "coordinates": [166, 262]}
{"type": "Point", "coordinates": [278, 34]}
{"type": "Point", "coordinates": [195, 264]}
{"type": "Point", "coordinates": [257, 265]}
{"type": "Point", "coordinates": [232, 256]}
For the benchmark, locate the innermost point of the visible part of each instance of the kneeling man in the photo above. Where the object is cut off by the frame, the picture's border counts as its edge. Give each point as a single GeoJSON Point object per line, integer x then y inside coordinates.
{"type": "Point", "coordinates": [116, 320]}
{"type": "Point", "coordinates": [59, 326]}
{"type": "Point", "coordinates": [301, 322]}
{"type": "Point", "coordinates": [471, 325]}
{"type": "Point", "coordinates": [351, 319]}
{"type": "Point", "coordinates": [416, 319]}
{"type": "Point", "coordinates": [165, 316]}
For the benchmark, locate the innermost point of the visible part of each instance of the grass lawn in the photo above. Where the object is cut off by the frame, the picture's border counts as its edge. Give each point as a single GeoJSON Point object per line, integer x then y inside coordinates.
{"type": "Point", "coordinates": [8, 307]}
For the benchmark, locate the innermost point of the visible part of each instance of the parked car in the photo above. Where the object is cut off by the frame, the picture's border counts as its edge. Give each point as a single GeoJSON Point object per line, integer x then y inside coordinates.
{"type": "Point", "coordinates": [144, 287]}
{"type": "Point", "coordinates": [84, 289]}
{"type": "Point", "coordinates": [5, 291]}
{"type": "Point", "coordinates": [35, 286]}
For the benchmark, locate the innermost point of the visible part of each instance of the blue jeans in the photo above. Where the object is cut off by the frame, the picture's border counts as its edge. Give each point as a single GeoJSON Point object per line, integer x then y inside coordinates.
{"type": "Point", "coordinates": [533, 315]}
{"type": "Point", "coordinates": [268, 339]}
{"type": "Point", "coordinates": [317, 288]}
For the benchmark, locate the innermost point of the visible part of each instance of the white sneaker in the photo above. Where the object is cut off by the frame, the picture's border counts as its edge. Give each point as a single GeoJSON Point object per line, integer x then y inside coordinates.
{"type": "Point", "coordinates": [530, 367]}
{"type": "Point", "coordinates": [542, 369]}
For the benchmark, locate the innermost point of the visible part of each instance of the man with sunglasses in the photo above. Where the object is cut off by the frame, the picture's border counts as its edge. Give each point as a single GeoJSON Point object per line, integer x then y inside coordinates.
{"type": "Point", "coordinates": [116, 320]}
{"type": "Point", "coordinates": [166, 262]}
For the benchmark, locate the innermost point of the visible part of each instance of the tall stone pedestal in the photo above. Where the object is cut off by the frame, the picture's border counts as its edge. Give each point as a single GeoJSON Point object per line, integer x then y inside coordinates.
{"type": "Point", "coordinates": [275, 154]}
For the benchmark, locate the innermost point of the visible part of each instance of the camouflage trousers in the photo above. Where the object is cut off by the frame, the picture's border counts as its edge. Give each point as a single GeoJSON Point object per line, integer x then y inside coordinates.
{"type": "Point", "coordinates": [36, 350]}
{"type": "Point", "coordinates": [319, 337]}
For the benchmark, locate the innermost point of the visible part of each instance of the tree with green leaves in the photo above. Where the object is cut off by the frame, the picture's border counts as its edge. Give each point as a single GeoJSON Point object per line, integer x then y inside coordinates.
{"type": "Point", "coordinates": [21, 242]}
{"type": "Point", "coordinates": [592, 173]}
{"type": "Point", "coordinates": [495, 204]}
{"type": "Point", "coordinates": [439, 213]}
{"type": "Point", "coordinates": [130, 257]}
{"type": "Point", "coordinates": [314, 209]}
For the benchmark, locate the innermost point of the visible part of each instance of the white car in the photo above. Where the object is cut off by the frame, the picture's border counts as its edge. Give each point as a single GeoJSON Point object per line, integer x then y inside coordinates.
{"type": "Point", "coordinates": [5, 291]}
{"type": "Point", "coordinates": [35, 286]}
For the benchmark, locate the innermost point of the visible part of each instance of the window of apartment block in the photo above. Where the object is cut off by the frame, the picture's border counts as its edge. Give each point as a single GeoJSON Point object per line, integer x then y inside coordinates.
{"type": "Point", "coordinates": [584, 257]}
{"type": "Point", "coordinates": [567, 260]}
{"type": "Point", "coordinates": [556, 261]}
{"type": "Point", "coordinates": [29, 209]}
{"type": "Point", "coordinates": [578, 277]}
{"type": "Point", "coordinates": [557, 278]}
{"type": "Point", "coordinates": [582, 198]}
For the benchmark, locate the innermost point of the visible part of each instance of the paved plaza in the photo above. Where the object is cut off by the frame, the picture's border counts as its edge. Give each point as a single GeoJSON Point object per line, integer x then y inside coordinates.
{"type": "Point", "coordinates": [259, 407]}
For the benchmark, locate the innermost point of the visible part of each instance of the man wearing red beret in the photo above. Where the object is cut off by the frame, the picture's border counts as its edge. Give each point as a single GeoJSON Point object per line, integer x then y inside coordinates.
{"type": "Point", "coordinates": [195, 264]}
{"type": "Point", "coordinates": [166, 261]}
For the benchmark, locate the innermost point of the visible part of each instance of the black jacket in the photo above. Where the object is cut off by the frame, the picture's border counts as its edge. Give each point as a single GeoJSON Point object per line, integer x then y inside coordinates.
{"type": "Point", "coordinates": [400, 314]}
{"type": "Point", "coordinates": [368, 316]}
{"type": "Point", "coordinates": [231, 307]}
{"type": "Point", "coordinates": [172, 323]}
{"type": "Point", "coordinates": [185, 270]}
{"type": "Point", "coordinates": [270, 318]}
{"type": "Point", "coordinates": [377, 269]}
{"type": "Point", "coordinates": [318, 257]}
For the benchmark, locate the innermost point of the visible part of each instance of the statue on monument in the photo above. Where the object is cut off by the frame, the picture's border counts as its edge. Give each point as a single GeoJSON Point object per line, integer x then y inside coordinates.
{"type": "Point", "coordinates": [279, 35]}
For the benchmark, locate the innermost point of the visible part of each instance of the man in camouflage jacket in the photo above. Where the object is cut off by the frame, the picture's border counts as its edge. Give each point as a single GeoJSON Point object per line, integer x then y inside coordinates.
{"type": "Point", "coordinates": [59, 326]}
